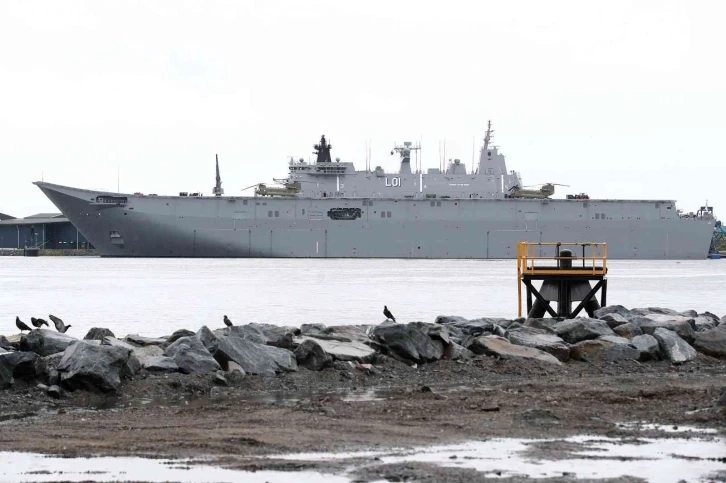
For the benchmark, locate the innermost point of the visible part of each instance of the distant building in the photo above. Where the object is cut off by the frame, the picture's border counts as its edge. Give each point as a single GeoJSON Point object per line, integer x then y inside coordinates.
{"type": "Point", "coordinates": [44, 230]}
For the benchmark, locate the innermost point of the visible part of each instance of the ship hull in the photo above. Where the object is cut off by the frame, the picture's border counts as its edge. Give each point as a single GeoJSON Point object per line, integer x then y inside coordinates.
{"type": "Point", "coordinates": [156, 226]}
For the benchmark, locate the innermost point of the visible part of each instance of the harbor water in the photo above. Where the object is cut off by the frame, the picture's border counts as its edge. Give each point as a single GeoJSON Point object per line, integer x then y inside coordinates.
{"type": "Point", "coordinates": [158, 296]}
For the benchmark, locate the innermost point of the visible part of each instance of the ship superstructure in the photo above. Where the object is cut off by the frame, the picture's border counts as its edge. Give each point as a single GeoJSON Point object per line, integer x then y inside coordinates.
{"type": "Point", "coordinates": [327, 208]}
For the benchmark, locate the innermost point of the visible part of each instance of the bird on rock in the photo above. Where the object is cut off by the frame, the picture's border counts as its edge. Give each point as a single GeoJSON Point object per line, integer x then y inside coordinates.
{"type": "Point", "coordinates": [59, 325]}
{"type": "Point", "coordinates": [227, 322]}
{"type": "Point", "coordinates": [38, 323]}
{"type": "Point", "coordinates": [388, 313]}
{"type": "Point", "coordinates": [21, 325]}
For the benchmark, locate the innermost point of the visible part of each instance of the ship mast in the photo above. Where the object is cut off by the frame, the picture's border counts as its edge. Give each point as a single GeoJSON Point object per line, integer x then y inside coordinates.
{"type": "Point", "coordinates": [218, 191]}
{"type": "Point", "coordinates": [487, 138]}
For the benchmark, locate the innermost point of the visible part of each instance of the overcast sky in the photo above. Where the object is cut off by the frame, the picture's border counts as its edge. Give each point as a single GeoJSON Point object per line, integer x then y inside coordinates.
{"type": "Point", "coordinates": [619, 99]}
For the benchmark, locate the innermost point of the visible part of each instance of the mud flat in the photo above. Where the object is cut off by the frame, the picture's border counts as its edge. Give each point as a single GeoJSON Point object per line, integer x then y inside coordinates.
{"type": "Point", "coordinates": [453, 400]}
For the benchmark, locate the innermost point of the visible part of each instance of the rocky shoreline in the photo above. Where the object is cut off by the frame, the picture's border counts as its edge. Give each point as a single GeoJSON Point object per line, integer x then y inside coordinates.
{"type": "Point", "coordinates": [250, 395]}
{"type": "Point", "coordinates": [100, 362]}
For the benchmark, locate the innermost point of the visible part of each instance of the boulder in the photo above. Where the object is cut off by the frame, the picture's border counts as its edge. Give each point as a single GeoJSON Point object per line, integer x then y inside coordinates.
{"type": "Point", "coordinates": [141, 340]}
{"type": "Point", "coordinates": [342, 351]}
{"type": "Point", "coordinates": [258, 359]}
{"type": "Point", "coordinates": [540, 339]}
{"type": "Point", "coordinates": [266, 334]}
{"type": "Point", "coordinates": [21, 365]}
{"type": "Point", "coordinates": [705, 321]}
{"type": "Point", "coordinates": [310, 355]}
{"type": "Point", "coordinates": [648, 347]}
{"type": "Point", "coordinates": [434, 331]}
{"type": "Point", "coordinates": [160, 364]}
{"type": "Point", "coordinates": [577, 330]}
{"type": "Point", "coordinates": [191, 356]}
{"type": "Point", "coordinates": [655, 311]}
{"type": "Point", "coordinates": [112, 341]}
{"type": "Point", "coordinates": [408, 343]}
{"type": "Point", "coordinates": [6, 344]}
{"type": "Point", "coordinates": [722, 321]}
{"type": "Point", "coordinates": [542, 324]}
{"type": "Point", "coordinates": [628, 330]}
{"type": "Point", "coordinates": [47, 368]}
{"type": "Point", "coordinates": [712, 342]}
{"type": "Point", "coordinates": [615, 339]}
{"type": "Point", "coordinates": [689, 313]}
{"type": "Point", "coordinates": [604, 350]}
{"type": "Point", "coordinates": [54, 391]}
{"type": "Point", "coordinates": [178, 334]}
{"type": "Point", "coordinates": [93, 367]}
{"type": "Point", "coordinates": [499, 347]}
{"type": "Point", "coordinates": [146, 352]}
{"type": "Point", "coordinates": [474, 327]}
{"type": "Point", "coordinates": [45, 342]}
{"type": "Point", "coordinates": [208, 338]}
{"type": "Point", "coordinates": [673, 347]}
{"type": "Point", "coordinates": [98, 333]}
{"type": "Point", "coordinates": [455, 352]}
{"type": "Point", "coordinates": [676, 323]}
{"type": "Point", "coordinates": [613, 320]}
{"type": "Point", "coordinates": [611, 309]}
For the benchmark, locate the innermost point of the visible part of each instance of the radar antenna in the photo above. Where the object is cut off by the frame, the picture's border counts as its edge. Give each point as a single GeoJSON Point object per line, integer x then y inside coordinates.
{"type": "Point", "coordinates": [218, 191]}
{"type": "Point", "coordinates": [487, 139]}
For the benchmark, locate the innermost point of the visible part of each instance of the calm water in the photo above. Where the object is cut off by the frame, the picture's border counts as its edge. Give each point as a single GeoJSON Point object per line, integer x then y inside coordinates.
{"type": "Point", "coordinates": [157, 296]}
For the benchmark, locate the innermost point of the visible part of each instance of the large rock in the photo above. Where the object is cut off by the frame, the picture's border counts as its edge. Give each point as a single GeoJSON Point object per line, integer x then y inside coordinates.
{"type": "Point", "coordinates": [655, 311]}
{"type": "Point", "coordinates": [178, 334]}
{"type": "Point", "coordinates": [342, 351]}
{"type": "Point", "coordinates": [611, 309]}
{"type": "Point", "coordinates": [434, 331]}
{"type": "Point", "coordinates": [677, 323]}
{"type": "Point", "coordinates": [94, 367]}
{"type": "Point", "coordinates": [98, 333]}
{"type": "Point", "coordinates": [705, 321]}
{"type": "Point", "coordinates": [499, 347]}
{"type": "Point", "coordinates": [310, 355]}
{"type": "Point", "coordinates": [160, 364]}
{"type": "Point", "coordinates": [209, 339]}
{"type": "Point", "coordinates": [604, 350]}
{"type": "Point", "coordinates": [712, 342]}
{"type": "Point", "coordinates": [47, 368]}
{"type": "Point", "coordinates": [17, 364]}
{"type": "Point", "coordinates": [45, 342]}
{"type": "Point", "coordinates": [408, 342]}
{"type": "Point", "coordinates": [140, 340]}
{"type": "Point", "coordinates": [540, 339]}
{"type": "Point", "coordinates": [577, 330]}
{"type": "Point", "coordinates": [191, 356]}
{"type": "Point", "coordinates": [474, 327]}
{"type": "Point", "coordinates": [543, 324]}
{"type": "Point", "coordinates": [648, 347]}
{"type": "Point", "coordinates": [455, 352]}
{"type": "Point", "coordinates": [613, 320]}
{"type": "Point", "coordinates": [112, 341]}
{"type": "Point", "coordinates": [673, 347]}
{"type": "Point", "coordinates": [628, 330]}
{"type": "Point", "coordinates": [266, 334]}
{"type": "Point", "coordinates": [262, 360]}
{"type": "Point", "coordinates": [722, 321]}
{"type": "Point", "coordinates": [5, 344]}
{"type": "Point", "coordinates": [146, 352]}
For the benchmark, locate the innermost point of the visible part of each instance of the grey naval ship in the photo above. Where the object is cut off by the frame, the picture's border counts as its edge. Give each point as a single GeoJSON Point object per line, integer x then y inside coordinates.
{"type": "Point", "coordinates": [328, 209]}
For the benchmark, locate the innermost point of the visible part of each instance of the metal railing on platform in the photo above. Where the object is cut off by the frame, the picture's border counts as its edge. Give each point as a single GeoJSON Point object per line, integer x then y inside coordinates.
{"type": "Point", "coordinates": [535, 262]}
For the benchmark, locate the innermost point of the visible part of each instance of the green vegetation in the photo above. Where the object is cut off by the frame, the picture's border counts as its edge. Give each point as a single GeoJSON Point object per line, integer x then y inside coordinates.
{"type": "Point", "coordinates": [721, 246]}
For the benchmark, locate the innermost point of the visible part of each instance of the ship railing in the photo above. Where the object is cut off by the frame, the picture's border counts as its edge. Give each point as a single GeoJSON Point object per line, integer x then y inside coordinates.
{"type": "Point", "coordinates": [531, 261]}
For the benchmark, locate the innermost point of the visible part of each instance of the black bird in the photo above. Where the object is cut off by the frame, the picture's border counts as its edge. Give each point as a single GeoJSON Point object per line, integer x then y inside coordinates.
{"type": "Point", "coordinates": [388, 313]}
{"type": "Point", "coordinates": [38, 323]}
{"type": "Point", "coordinates": [21, 325]}
{"type": "Point", "coordinates": [227, 322]}
{"type": "Point", "coordinates": [59, 325]}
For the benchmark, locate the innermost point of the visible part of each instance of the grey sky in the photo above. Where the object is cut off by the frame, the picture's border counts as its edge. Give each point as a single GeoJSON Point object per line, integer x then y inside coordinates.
{"type": "Point", "coordinates": [619, 99]}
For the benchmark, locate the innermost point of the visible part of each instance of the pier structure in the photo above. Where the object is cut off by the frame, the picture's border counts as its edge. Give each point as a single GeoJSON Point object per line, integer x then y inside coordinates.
{"type": "Point", "coordinates": [565, 277]}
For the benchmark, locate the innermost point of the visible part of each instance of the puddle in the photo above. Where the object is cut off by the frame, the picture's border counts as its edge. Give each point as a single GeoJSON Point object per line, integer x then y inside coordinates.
{"type": "Point", "coordinates": [37, 468]}
{"type": "Point", "coordinates": [641, 426]}
{"type": "Point", "coordinates": [656, 460]}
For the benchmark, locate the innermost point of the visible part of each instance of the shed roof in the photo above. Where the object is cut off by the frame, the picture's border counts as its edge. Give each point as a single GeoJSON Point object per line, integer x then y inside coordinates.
{"type": "Point", "coordinates": [34, 221]}
{"type": "Point", "coordinates": [3, 216]}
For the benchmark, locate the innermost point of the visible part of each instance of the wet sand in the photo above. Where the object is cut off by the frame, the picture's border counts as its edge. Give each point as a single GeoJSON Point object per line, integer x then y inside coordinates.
{"type": "Point", "coordinates": [189, 416]}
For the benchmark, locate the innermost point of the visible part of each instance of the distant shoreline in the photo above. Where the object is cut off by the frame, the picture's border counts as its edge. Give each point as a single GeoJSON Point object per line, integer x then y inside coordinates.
{"type": "Point", "coordinates": [18, 252]}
